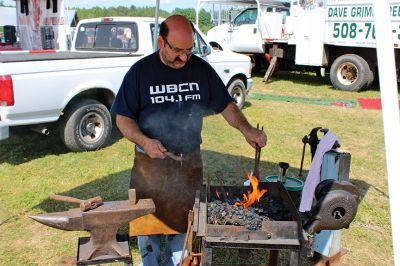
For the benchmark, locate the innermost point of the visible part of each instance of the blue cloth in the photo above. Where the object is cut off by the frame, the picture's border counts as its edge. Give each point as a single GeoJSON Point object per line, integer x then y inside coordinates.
{"type": "Point", "coordinates": [150, 249]}
{"type": "Point", "coordinates": [169, 104]}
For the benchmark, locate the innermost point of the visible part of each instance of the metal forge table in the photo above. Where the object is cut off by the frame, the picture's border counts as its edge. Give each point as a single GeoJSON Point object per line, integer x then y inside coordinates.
{"type": "Point", "coordinates": [273, 236]}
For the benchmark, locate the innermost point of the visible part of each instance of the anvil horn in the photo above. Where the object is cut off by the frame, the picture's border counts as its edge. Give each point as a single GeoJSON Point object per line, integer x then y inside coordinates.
{"type": "Point", "coordinates": [70, 220]}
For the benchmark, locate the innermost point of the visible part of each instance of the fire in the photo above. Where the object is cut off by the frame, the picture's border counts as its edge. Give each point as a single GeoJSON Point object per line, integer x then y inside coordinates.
{"type": "Point", "coordinates": [251, 197]}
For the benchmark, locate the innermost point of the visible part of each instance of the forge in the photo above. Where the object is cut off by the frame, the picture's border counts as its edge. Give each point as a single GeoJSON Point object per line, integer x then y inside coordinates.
{"type": "Point", "coordinates": [278, 225]}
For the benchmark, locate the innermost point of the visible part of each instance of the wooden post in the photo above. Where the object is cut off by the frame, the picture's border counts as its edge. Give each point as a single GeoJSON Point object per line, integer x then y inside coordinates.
{"type": "Point", "coordinates": [132, 196]}
{"type": "Point", "coordinates": [273, 257]}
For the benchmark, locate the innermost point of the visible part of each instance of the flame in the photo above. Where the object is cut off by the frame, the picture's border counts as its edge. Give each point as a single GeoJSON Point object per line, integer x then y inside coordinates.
{"type": "Point", "coordinates": [218, 194]}
{"type": "Point", "coordinates": [251, 197]}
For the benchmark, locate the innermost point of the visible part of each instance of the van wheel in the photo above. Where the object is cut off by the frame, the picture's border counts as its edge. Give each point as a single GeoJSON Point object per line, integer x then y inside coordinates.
{"type": "Point", "coordinates": [237, 90]}
{"type": "Point", "coordinates": [86, 125]}
{"type": "Point", "coordinates": [351, 72]}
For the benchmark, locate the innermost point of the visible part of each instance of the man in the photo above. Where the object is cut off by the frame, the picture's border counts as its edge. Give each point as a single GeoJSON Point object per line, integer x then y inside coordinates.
{"type": "Point", "coordinates": [160, 108]}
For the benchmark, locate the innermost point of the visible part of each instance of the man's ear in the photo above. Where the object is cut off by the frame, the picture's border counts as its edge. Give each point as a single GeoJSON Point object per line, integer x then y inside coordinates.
{"type": "Point", "coordinates": [160, 42]}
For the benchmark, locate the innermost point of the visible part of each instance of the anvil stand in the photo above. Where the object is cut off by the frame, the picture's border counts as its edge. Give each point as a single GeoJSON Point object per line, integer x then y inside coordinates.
{"type": "Point", "coordinates": [122, 240]}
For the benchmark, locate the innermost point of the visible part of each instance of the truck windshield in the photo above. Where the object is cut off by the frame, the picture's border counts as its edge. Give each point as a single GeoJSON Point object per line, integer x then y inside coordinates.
{"type": "Point", "coordinates": [116, 36]}
{"type": "Point", "coordinates": [248, 16]}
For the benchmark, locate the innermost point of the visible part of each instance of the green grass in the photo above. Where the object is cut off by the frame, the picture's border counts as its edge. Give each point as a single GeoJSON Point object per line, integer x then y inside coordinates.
{"type": "Point", "coordinates": [33, 166]}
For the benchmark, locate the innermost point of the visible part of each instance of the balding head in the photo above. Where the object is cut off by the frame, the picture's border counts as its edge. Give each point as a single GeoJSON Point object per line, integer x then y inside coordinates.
{"type": "Point", "coordinates": [176, 41]}
{"type": "Point", "coordinates": [176, 24]}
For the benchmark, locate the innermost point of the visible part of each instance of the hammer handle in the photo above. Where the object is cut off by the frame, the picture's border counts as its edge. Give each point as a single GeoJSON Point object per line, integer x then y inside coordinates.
{"type": "Point", "coordinates": [173, 156]}
{"type": "Point", "coordinates": [65, 199]}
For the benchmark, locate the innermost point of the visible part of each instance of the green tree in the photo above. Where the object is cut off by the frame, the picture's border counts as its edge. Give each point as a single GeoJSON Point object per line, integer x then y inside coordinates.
{"type": "Point", "coordinates": [133, 11]}
{"type": "Point", "coordinates": [120, 11]}
{"type": "Point", "coordinates": [190, 13]}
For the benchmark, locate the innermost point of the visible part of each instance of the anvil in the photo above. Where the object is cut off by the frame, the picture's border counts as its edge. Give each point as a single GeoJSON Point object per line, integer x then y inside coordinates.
{"type": "Point", "coordinates": [102, 223]}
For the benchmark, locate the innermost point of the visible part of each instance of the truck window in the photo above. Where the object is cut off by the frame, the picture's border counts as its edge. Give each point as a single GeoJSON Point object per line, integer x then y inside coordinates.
{"type": "Point", "coordinates": [116, 36]}
{"type": "Point", "coordinates": [248, 16]}
{"type": "Point", "coordinates": [200, 45]}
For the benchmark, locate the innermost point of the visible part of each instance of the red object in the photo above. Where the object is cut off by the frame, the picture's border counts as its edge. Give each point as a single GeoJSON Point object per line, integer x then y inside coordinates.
{"type": "Point", "coordinates": [107, 19]}
{"type": "Point", "coordinates": [9, 48]}
{"type": "Point", "coordinates": [268, 57]}
{"type": "Point", "coordinates": [371, 103]}
{"type": "Point", "coordinates": [6, 91]}
{"type": "Point", "coordinates": [41, 51]}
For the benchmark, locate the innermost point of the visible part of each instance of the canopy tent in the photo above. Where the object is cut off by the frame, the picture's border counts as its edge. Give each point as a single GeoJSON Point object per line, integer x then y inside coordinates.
{"type": "Point", "coordinates": [8, 16]}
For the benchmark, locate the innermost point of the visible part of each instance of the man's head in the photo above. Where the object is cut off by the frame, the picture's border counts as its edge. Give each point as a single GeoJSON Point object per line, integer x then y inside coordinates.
{"type": "Point", "coordinates": [113, 32]}
{"type": "Point", "coordinates": [176, 41]}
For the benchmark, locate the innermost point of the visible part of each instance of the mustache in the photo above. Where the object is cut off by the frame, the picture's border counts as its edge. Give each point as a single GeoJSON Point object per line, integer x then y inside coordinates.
{"type": "Point", "coordinates": [177, 59]}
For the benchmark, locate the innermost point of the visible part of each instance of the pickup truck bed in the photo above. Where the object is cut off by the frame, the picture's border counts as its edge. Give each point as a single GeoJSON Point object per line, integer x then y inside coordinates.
{"type": "Point", "coordinates": [23, 57]}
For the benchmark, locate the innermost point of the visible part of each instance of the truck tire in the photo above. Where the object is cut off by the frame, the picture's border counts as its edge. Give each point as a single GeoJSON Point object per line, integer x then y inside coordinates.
{"type": "Point", "coordinates": [86, 125]}
{"type": "Point", "coordinates": [237, 90]}
{"type": "Point", "coordinates": [350, 72]}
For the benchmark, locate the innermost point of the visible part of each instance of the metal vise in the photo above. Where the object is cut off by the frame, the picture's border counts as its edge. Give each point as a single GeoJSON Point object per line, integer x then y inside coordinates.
{"type": "Point", "coordinates": [336, 207]}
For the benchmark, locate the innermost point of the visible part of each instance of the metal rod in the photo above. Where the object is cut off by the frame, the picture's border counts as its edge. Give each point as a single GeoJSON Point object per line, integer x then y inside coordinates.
{"type": "Point", "coordinates": [304, 140]}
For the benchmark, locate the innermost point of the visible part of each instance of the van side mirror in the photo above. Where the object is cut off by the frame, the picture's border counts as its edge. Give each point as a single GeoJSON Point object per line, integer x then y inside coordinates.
{"type": "Point", "coordinates": [205, 50]}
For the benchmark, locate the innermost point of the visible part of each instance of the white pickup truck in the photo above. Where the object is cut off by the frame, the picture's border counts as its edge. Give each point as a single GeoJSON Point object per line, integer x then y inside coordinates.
{"type": "Point", "coordinates": [74, 90]}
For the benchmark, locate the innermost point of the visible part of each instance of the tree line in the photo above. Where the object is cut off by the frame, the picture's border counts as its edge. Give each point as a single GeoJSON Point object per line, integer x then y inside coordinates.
{"type": "Point", "coordinates": [133, 11]}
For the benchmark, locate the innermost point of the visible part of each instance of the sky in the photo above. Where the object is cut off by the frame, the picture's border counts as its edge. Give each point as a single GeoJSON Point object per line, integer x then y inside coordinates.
{"type": "Point", "coordinates": [167, 5]}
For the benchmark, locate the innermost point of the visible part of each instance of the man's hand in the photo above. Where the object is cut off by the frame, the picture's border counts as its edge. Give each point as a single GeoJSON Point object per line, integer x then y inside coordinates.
{"type": "Point", "coordinates": [154, 149]}
{"type": "Point", "coordinates": [255, 136]}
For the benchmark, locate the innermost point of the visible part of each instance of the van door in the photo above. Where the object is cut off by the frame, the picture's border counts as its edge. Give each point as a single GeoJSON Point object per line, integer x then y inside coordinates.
{"type": "Point", "coordinates": [243, 34]}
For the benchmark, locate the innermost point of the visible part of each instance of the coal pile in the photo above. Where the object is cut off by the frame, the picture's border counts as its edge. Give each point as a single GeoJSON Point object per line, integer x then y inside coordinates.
{"type": "Point", "coordinates": [223, 213]}
{"type": "Point", "coordinates": [226, 213]}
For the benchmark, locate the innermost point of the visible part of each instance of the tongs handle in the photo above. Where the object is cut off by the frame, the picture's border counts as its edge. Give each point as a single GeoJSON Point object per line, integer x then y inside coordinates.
{"type": "Point", "coordinates": [257, 156]}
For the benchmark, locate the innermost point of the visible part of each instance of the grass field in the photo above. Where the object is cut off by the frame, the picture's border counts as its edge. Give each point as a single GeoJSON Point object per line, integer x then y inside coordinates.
{"type": "Point", "coordinates": [33, 166]}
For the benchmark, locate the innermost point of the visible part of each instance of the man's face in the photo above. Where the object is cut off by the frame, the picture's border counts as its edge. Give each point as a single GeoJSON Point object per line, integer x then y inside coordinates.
{"type": "Point", "coordinates": [113, 31]}
{"type": "Point", "coordinates": [175, 49]}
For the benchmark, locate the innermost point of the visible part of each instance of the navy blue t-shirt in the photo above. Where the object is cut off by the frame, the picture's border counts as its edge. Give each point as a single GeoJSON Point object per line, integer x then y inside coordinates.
{"type": "Point", "coordinates": [168, 104]}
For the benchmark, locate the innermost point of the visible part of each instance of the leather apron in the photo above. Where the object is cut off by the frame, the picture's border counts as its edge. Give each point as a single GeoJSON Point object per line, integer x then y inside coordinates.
{"type": "Point", "coordinates": [170, 184]}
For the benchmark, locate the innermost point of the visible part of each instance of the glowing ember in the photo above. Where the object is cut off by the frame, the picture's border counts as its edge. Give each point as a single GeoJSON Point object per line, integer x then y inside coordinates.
{"type": "Point", "coordinates": [251, 197]}
{"type": "Point", "coordinates": [220, 193]}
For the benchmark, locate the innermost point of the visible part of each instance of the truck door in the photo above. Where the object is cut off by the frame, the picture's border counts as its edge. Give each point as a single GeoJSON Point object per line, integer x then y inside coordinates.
{"type": "Point", "coordinates": [243, 34]}
{"type": "Point", "coordinates": [309, 38]}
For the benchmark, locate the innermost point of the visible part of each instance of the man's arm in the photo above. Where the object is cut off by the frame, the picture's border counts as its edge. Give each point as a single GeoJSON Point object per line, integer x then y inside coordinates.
{"type": "Point", "coordinates": [130, 129]}
{"type": "Point", "coordinates": [236, 119]}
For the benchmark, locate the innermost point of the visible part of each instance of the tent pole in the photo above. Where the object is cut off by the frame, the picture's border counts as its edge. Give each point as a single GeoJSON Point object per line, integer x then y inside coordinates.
{"type": "Point", "coordinates": [155, 46]}
{"type": "Point", "coordinates": [390, 113]}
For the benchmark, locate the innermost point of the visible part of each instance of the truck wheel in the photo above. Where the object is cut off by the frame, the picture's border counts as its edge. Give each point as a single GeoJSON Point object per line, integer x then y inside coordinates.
{"type": "Point", "coordinates": [237, 90]}
{"type": "Point", "coordinates": [350, 72]}
{"type": "Point", "coordinates": [86, 125]}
